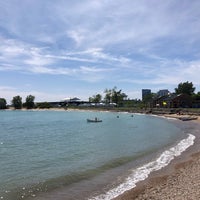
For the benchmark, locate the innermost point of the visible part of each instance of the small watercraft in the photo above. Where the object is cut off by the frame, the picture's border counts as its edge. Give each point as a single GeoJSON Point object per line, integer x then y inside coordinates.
{"type": "Point", "coordinates": [94, 120]}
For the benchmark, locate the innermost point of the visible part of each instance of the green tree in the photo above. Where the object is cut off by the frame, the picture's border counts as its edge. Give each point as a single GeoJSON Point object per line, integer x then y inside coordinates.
{"type": "Point", "coordinates": [3, 103]}
{"type": "Point", "coordinates": [17, 102]}
{"type": "Point", "coordinates": [197, 96]}
{"type": "Point", "coordinates": [108, 95]}
{"type": "Point", "coordinates": [118, 96]}
{"type": "Point", "coordinates": [149, 97]}
{"type": "Point", "coordinates": [114, 96]}
{"type": "Point", "coordinates": [185, 88]}
{"type": "Point", "coordinates": [95, 98]}
{"type": "Point", "coordinates": [30, 102]}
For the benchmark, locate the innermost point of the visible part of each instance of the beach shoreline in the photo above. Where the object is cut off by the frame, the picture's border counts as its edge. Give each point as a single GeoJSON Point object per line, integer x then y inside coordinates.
{"type": "Point", "coordinates": [178, 180]}
{"type": "Point", "coordinates": [165, 183]}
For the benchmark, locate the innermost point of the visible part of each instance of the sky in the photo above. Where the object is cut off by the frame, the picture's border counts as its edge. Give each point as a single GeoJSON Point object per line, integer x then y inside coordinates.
{"type": "Point", "coordinates": [56, 49]}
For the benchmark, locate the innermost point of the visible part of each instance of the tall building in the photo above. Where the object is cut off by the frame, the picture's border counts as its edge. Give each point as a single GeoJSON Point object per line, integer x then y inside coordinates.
{"type": "Point", "coordinates": [145, 92]}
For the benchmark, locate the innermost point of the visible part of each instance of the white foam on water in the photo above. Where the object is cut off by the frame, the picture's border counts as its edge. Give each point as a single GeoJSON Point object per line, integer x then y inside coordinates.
{"type": "Point", "coordinates": [141, 173]}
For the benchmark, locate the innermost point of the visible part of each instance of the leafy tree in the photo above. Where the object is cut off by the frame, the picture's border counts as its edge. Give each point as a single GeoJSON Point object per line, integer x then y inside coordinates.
{"type": "Point", "coordinates": [197, 96]}
{"type": "Point", "coordinates": [108, 95]}
{"type": "Point", "coordinates": [17, 102]}
{"type": "Point", "coordinates": [118, 96]}
{"type": "Point", "coordinates": [3, 103]}
{"type": "Point", "coordinates": [114, 96]}
{"type": "Point", "coordinates": [185, 88]}
{"type": "Point", "coordinates": [95, 98]}
{"type": "Point", "coordinates": [30, 102]}
{"type": "Point", "coordinates": [149, 97]}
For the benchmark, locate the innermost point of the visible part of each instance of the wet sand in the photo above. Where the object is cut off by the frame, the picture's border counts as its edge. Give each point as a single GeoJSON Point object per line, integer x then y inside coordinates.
{"type": "Point", "coordinates": [180, 180]}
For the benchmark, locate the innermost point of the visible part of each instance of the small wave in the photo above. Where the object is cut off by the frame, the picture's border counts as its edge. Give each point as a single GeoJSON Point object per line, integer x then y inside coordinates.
{"type": "Point", "coordinates": [143, 172]}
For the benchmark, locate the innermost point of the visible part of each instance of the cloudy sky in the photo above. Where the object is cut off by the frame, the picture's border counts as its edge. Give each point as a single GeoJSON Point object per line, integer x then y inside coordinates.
{"type": "Point", "coordinates": [54, 49]}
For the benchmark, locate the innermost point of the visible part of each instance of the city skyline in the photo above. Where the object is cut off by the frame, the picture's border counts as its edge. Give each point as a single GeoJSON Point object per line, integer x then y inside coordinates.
{"type": "Point", "coordinates": [58, 49]}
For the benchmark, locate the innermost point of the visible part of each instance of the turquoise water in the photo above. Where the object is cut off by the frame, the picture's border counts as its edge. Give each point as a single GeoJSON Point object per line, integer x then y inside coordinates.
{"type": "Point", "coordinates": [42, 151]}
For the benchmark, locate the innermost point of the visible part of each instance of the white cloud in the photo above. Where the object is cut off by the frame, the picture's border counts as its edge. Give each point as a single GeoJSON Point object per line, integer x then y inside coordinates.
{"type": "Point", "coordinates": [41, 70]}
{"type": "Point", "coordinates": [98, 26]}
{"type": "Point", "coordinates": [136, 42]}
{"type": "Point", "coordinates": [192, 72]}
{"type": "Point", "coordinates": [11, 48]}
{"type": "Point", "coordinates": [38, 60]}
{"type": "Point", "coordinates": [77, 36]}
{"type": "Point", "coordinates": [86, 69]}
{"type": "Point", "coordinates": [97, 55]}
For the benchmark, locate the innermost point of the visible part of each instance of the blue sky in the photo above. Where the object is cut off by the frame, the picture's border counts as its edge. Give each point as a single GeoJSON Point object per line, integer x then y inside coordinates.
{"type": "Point", "coordinates": [55, 49]}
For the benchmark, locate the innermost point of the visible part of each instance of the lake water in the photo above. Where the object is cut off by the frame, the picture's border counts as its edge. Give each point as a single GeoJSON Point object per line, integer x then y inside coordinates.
{"type": "Point", "coordinates": [59, 155]}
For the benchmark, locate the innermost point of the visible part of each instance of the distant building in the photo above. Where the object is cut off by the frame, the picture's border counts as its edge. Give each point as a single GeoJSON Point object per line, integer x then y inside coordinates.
{"type": "Point", "coordinates": [74, 99]}
{"type": "Point", "coordinates": [162, 93]}
{"type": "Point", "coordinates": [71, 101]}
{"type": "Point", "coordinates": [145, 92]}
{"type": "Point", "coordinates": [173, 101]}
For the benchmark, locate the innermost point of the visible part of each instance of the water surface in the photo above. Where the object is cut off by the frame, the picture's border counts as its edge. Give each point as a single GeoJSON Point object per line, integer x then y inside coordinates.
{"type": "Point", "coordinates": [44, 151]}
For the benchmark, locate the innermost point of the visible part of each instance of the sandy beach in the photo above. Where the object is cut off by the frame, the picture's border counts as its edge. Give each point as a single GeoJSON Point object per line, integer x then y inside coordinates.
{"type": "Point", "coordinates": [180, 180]}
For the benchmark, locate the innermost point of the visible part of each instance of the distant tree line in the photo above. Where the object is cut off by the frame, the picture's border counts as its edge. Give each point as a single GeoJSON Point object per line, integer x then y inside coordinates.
{"type": "Point", "coordinates": [28, 104]}
{"type": "Point", "coordinates": [112, 96]}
